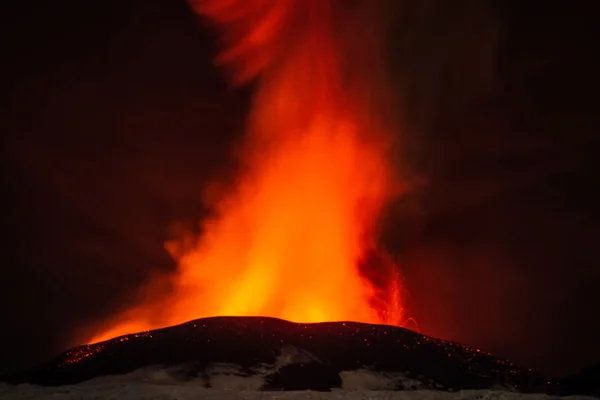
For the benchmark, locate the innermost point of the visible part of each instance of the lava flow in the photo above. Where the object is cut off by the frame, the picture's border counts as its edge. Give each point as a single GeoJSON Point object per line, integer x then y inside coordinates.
{"type": "Point", "coordinates": [287, 240]}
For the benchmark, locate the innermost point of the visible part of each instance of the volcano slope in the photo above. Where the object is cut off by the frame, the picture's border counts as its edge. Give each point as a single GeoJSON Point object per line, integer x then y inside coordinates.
{"type": "Point", "coordinates": [280, 355]}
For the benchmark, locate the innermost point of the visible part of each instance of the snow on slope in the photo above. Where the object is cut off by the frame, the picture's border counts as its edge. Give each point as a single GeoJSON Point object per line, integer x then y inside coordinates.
{"type": "Point", "coordinates": [162, 384]}
{"type": "Point", "coordinates": [142, 391]}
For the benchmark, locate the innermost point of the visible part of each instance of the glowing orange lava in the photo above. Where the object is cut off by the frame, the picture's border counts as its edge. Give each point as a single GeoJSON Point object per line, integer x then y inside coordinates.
{"type": "Point", "coordinates": [287, 240]}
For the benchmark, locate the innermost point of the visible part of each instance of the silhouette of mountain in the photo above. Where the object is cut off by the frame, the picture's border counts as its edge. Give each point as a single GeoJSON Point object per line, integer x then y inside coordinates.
{"type": "Point", "coordinates": [586, 381]}
{"type": "Point", "coordinates": [291, 356]}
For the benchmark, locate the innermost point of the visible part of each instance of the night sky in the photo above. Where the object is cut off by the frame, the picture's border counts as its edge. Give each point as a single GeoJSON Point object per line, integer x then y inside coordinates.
{"type": "Point", "coordinates": [116, 119]}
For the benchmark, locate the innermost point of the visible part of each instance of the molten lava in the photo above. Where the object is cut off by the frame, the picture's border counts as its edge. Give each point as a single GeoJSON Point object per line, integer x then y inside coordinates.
{"type": "Point", "coordinates": [287, 240]}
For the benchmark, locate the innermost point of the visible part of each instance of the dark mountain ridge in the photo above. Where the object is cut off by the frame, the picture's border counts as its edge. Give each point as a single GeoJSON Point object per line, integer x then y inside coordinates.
{"type": "Point", "coordinates": [292, 356]}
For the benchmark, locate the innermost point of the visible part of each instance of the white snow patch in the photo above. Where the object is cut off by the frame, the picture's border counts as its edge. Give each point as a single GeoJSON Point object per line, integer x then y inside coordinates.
{"type": "Point", "coordinates": [120, 389]}
{"type": "Point", "coordinates": [363, 379]}
{"type": "Point", "coordinates": [229, 377]}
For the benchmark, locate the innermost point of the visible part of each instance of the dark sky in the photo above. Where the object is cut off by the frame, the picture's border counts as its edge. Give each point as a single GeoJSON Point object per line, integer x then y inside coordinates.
{"type": "Point", "coordinates": [116, 118]}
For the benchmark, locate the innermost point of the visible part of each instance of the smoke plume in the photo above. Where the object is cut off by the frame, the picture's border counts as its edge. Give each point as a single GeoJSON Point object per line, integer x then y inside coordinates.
{"type": "Point", "coordinates": [287, 240]}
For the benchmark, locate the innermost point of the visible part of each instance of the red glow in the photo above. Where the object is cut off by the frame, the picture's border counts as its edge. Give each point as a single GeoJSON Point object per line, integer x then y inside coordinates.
{"type": "Point", "coordinates": [286, 241]}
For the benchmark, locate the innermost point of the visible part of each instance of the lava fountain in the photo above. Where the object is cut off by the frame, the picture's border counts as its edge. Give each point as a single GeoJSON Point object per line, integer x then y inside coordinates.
{"type": "Point", "coordinates": [287, 240]}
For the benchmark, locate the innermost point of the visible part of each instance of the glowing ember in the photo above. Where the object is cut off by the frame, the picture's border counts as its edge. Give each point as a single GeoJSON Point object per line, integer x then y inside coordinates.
{"type": "Point", "coordinates": [287, 240]}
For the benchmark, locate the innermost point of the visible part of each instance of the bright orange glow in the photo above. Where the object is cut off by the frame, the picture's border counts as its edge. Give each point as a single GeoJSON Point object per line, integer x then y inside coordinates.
{"type": "Point", "coordinates": [287, 240]}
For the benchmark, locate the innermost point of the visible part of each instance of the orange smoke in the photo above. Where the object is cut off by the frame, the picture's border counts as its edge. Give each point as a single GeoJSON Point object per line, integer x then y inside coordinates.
{"type": "Point", "coordinates": [288, 239]}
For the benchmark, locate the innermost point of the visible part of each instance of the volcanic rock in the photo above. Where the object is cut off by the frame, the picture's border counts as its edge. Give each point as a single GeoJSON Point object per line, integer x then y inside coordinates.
{"type": "Point", "coordinates": [272, 354]}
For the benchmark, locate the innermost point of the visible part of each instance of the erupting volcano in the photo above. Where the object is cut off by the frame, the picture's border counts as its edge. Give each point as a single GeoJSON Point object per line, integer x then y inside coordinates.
{"type": "Point", "coordinates": [290, 237]}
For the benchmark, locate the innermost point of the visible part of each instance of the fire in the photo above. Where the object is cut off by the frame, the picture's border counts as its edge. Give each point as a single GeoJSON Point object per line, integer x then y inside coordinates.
{"type": "Point", "coordinates": [287, 240]}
